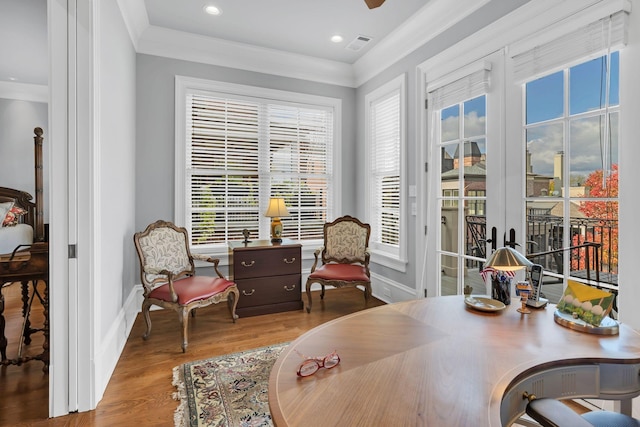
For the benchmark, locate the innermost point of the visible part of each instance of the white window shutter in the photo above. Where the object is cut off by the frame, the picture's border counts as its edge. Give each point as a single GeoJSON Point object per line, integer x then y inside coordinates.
{"type": "Point", "coordinates": [590, 41]}
{"type": "Point", "coordinates": [385, 168]}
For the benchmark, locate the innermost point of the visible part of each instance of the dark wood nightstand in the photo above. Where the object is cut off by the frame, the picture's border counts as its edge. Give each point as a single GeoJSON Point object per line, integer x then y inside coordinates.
{"type": "Point", "coordinates": [268, 276]}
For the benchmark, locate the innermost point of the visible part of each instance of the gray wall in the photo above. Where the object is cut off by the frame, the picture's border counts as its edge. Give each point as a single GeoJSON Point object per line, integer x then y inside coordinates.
{"type": "Point", "coordinates": [115, 148]}
{"type": "Point", "coordinates": [17, 121]}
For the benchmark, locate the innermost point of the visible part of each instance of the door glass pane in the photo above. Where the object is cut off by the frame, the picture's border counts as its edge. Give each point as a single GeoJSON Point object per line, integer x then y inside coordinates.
{"type": "Point", "coordinates": [587, 85]}
{"type": "Point", "coordinates": [598, 223]}
{"type": "Point", "coordinates": [589, 158]}
{"type": "Point", "coordinates": [545, 226]}
{"type": "Point", "coordinates": [476, 224]}
{"type": "Point", "coordinates": [473, 278]}
{"type": "Point", "coordinates": [450, 123]}
{"type": "Point", "coordinates": [544, 155]}
{"type": "Point", "coordinates": [545, 98]}
{"type": "Point", "coordinates": [475, 117]}
{"type": "Point", "coordinates": [449, 226]}
{"type": "Point", "coordinates": [449, 275]}
{"type": "Point", "coordinates": [475, 170]}
{"type": "Point", "coordinates": [450, 173]}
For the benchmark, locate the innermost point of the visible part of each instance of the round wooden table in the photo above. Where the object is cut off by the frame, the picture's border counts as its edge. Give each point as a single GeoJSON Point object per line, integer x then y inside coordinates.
{"type": "Point", "coordinates": [437, 362]}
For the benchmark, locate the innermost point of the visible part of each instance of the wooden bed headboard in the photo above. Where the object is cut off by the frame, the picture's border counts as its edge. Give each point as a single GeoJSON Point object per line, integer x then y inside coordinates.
{"type": "Point", "coordinates": [35, 213]}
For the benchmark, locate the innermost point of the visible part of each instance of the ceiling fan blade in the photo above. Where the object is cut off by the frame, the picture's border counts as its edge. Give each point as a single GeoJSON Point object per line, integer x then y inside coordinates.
{"type": "Point", "coordinates": [373, 3]}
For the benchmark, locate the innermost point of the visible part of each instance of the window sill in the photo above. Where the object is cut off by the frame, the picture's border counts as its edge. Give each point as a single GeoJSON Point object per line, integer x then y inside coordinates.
{"type": "Point", "coordinates": [389, 261]}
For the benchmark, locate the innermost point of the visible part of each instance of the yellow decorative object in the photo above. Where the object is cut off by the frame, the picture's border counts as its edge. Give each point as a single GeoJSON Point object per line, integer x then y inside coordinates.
{"type": "Point", "coordinates": [586, 292]}
{"type": "Point", "coordinates": [584, 302]}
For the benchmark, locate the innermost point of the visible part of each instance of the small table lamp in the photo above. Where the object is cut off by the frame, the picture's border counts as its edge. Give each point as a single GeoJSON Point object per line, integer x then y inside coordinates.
{"type": "Point", "coordinates": [276, 209]}
{"type": "Point", "coordinates": [508, 259]}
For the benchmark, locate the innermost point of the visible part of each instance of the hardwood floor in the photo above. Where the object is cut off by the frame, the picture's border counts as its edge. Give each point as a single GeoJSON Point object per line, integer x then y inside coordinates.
{"type": "Point", "coordinates": [140, 390]}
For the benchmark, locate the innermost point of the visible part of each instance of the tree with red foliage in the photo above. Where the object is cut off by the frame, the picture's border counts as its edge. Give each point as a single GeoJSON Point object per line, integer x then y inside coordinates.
{"type": "Point", "coordinates": [606, 212]}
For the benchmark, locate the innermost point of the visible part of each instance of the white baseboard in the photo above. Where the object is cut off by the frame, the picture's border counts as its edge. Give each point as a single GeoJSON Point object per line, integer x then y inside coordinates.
{"type": "Point", "coordinates": [113, 344]}
{"type": "Point", "coordinates": [382, 288]}
{"type": "Point", "coordinates": [390, 291]}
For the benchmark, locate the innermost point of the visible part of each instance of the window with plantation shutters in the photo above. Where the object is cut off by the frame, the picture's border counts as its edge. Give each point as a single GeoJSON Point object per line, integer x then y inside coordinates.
{"type": "Point", "coordinates": [384, 143]}
{"type": "Point", "coordinates": [238, 150]}
{"type": "Point", "coordinates": [222, 168]}
{"type": "Point", "coordinates": [299, 167]}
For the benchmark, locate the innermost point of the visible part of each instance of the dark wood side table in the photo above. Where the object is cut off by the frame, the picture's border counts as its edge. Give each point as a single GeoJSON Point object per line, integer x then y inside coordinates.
{"type": "Point", "coordinates": [268, 276]}
{"type": "Point", "coordinates": [27, 267]}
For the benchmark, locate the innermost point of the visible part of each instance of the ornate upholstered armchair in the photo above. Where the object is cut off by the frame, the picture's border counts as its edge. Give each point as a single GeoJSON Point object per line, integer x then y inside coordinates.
{"type": "Point", "coordinates": [168, 276]}
{"type": "Point", "coordinates": [344, 257]}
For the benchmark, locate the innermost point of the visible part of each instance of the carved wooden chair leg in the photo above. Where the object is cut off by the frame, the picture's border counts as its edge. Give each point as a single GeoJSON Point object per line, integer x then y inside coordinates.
{"type": "Point", "coordinates": [367, 292]}
{"type": "Point", "coordinates": [232, 302]}
{"type": "Point", "coordinates": [3, 339]}
{"type": "Point", "coordinates": [322, 291]}
{"type": "Point", "coordinates": [184, 322]}
{"type": "Point", "coordinates": [309, 296]}
{"type": "Point", "coordinates": [147, 318]}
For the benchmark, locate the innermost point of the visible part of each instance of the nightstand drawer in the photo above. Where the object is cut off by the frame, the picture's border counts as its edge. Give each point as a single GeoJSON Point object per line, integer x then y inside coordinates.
{"type": "Point", "coordinates": [269, 290]}
{"type": "Point", "coordinates": [281, 261]}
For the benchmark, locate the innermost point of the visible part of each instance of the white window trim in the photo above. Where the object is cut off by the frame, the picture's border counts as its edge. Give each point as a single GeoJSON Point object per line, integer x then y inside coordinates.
{"type": "Point", "coordinates": [184, 84]}
{"type": "Point", "coordinates": [394, 260]}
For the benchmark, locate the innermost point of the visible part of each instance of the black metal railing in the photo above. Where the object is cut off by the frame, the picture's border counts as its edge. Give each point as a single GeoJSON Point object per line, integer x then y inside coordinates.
{"type": "Point", "coordinates": [592, 245]}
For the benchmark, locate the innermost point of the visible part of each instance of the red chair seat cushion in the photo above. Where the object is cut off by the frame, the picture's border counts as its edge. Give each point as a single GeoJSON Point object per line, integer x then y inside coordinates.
{"type": "Point", "coordinates": [192, 289]}
{"type": "Point", "coordinates": [346, 272]}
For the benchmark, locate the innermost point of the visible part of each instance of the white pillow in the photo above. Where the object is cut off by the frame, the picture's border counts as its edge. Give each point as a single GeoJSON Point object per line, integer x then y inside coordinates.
{"type": "Point", "coordinates": [4, 208]}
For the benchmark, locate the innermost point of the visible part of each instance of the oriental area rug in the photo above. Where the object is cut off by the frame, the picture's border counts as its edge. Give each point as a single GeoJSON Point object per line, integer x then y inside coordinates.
{"type": "Point", "coordinates": [226, 391]}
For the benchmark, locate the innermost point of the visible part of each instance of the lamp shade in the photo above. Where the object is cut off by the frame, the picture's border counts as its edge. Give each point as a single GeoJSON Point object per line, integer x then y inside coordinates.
{"type": "Point", "coordinates": [276, 208]}
{"type": "Point", "coordinates": [507, 259]}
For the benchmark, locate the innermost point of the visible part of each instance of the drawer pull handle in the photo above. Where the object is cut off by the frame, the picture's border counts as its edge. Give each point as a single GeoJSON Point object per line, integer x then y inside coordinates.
{"type": "Point", "coordinates": [289, 262]}
{"type": "Point", "coordinates": [293, 287]}
{"type": "Point", "coordinates": [248, 294]}
{"type": "Point", "coordinates": [245, 264]}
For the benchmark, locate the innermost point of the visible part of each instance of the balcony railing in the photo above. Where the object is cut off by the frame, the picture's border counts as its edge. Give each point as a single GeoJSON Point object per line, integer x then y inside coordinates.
{"type": "Point", "coordinates": [592, 245]}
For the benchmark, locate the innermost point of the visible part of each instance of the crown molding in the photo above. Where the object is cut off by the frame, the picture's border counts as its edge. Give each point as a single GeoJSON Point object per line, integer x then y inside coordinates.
{"type": "Point", "coordinates": [135, 18]}
{"type": "Point", "coordinates": [432, 20]}
{"type": "Point", "coordinates": [191, 47]}
{"type": "Point", "coordinates": [24, 92]}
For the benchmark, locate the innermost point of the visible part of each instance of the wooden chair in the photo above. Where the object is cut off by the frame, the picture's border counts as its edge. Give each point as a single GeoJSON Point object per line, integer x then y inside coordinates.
{"type": "Point", "coordinates": [345, 257]}
{"type": "Point", "coordinates": [168, 275]}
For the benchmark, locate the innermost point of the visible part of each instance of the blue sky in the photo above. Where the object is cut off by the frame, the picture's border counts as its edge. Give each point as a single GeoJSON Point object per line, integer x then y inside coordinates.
{"type": "Point", "coordinates": [586, 90]}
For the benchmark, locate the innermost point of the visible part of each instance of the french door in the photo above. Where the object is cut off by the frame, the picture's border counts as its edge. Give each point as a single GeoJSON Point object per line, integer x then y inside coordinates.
{"type": "Point", "coordinates": [466, 146]}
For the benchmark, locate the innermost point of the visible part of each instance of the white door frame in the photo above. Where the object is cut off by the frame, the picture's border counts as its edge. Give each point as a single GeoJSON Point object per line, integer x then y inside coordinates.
{"type": "Point", "coordinates": [70, 105]}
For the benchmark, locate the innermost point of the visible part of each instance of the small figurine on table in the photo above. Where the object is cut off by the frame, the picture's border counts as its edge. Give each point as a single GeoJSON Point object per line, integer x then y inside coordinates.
{"type": "Point", "coordinates": [246, 234]}
{"type": "Point", "coordinates": [524, 289]}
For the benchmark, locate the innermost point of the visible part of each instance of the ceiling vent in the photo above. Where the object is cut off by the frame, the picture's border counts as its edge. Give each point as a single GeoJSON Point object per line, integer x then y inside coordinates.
{"type": "Point", "coordinates": [358, 43]}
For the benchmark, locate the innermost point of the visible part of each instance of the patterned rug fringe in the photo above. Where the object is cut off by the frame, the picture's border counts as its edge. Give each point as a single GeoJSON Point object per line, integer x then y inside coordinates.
{"type": "Point", "coordinates": [181, 396]}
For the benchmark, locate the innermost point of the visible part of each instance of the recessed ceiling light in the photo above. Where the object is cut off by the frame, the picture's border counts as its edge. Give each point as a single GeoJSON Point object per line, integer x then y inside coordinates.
{"type": "Point", "coordinates": [337, 39]}
{"type": "Point", "coordinates": [213, 10]}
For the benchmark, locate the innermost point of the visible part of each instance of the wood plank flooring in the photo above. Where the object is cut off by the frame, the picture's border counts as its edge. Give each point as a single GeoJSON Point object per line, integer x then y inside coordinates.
{"type": "Point", "coordinates": [140, 391]}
